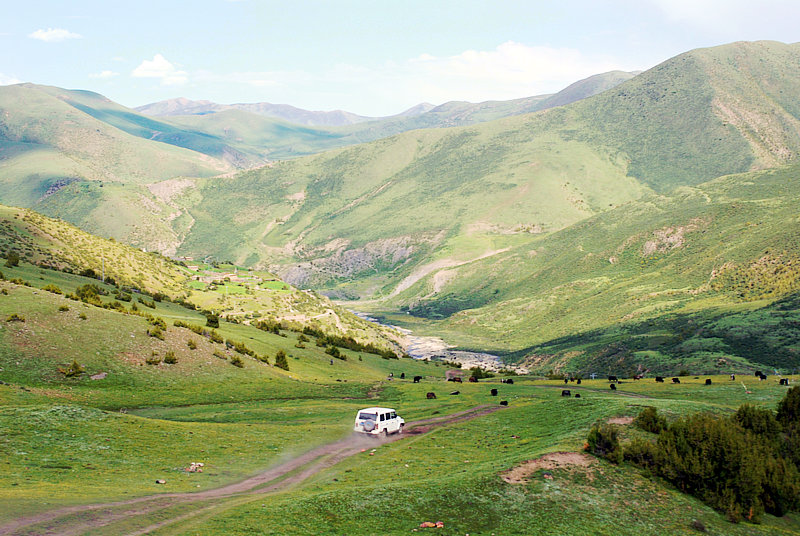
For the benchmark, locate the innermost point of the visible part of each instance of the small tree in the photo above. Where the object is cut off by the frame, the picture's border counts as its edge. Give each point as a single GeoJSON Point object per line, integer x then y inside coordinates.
{"type": "Point", "coordinates": [12, 259]}
{"type": "Point", "coordinates": [789, 407]}
{"type": "Point", "coordinates": [650, 421]}
{"type": "Point", "coordinates": [280, 360]}
{"type": "Point", "coordinates": [75, 369]}
{"type": "Point", "coordinates": [603, 441]}
{"type": "Point", "coordinates": [169, 358]}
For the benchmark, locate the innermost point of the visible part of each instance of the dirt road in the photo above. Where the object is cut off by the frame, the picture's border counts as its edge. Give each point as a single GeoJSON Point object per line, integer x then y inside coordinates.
{"type": "Point", "coordinates": [75, 520]}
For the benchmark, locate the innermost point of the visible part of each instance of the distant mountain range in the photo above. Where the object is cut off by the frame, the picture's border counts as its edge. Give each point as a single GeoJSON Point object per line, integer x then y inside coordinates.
{"type": "Point", "coordinates": [452, 112]}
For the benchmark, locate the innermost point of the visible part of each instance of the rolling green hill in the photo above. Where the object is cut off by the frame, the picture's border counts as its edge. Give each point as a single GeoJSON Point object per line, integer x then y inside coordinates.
{"type": "Point", "coordinates": [469, 191]}
{"type": "Point", "coordinates": [652, 276]}
{"type": "Point", "coordinates": [54, 252]}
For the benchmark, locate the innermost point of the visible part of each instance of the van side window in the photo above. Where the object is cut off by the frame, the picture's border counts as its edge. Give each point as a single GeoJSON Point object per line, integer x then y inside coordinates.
{"type": "Point", "coordinates": [383, 416]}
{"type": "Point", "coordinates": [393, 415]}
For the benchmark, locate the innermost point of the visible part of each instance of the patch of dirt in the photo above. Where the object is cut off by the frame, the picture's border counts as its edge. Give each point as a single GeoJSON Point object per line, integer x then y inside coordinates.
{"type": "Point", "coordinates": [620, 420]}
{"type": "Point", "coordinates": [554, 460]}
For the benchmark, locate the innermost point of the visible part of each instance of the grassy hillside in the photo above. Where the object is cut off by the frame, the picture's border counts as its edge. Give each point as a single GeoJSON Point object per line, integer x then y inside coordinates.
{"type": "Point", "coordinates": [242, 297]}
{"type": "Point", "coordinates": [355, 212]}
{"type": "Point", "coordinates": [39, 117]}
{"type": "Point", "coordinates": [146, 422]}
{"type": "Point", "coordinates": [725, 247]}
{"type": "Point", "coordinates": [41, 240]}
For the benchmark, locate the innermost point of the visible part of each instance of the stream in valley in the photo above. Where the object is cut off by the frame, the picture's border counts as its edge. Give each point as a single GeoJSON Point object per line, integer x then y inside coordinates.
{"type": "Point", "coordinates": [435, 348]}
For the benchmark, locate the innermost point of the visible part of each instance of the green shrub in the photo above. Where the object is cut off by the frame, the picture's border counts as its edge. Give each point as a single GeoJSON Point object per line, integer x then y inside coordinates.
{"type": "Point", "coordinates": [156, 333]}
{"type": "Point", "coordinates": [153, 359]}
{"type": "Point", "coordinates": [603, 441]}
{"type": "Point", "coordinates": [75, 369]}
{"type": "Point", "coordinates": [761, 422]}
{"type": "Point", "coordinates": [641, 452]}
{"type": "Point", "coordinates": [479, 373]}
{"type": "Point", "coordinates": [191, 344]}
{"type": "Point", "coordinates": [89, 293]}
{"type": "Point", "coordinates": [212, 320]}
{"type": "Point", "coordinates": [14, 317]}
{"type": "Point", "coordinates": [280, 360]}
{"type": "Point", "coordinates": [236, 361]}
{"type": "Point", "coordinates": [789, 407]}
{"type": "Point", "coordinates": [333, 351]}
{"type": "Point", "coordinates": [216, 337]}
{"type": "Point", "coordinates": [52, 288]}
{"type": "Point", "coordinates": [220, 355]}
{"type": "Point", "coordinates": [157, 322]}
{"type": "Point", "coordinates": [82, 316]}
{"type": "Point", "coordinates": [63, 308]}
{"type": "Point", "coordinates": [650, 421]}
{"type": "Point", "coordinates": [12, 259]}
{"type": "Point", "coordinates": [169, 358]}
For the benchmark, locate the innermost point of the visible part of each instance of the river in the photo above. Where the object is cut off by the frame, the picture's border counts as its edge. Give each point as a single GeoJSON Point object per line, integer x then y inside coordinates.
{"type": "Point", "coordinates": [435, 348]}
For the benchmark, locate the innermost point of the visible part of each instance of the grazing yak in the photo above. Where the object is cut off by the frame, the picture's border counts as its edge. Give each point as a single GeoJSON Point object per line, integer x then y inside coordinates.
{"type": "Point", "coordinates": [613, 387]}
{"type": "Point", "coordinates": [504, 402]}
{"type": "Point", "coordinates": [577, 395]}
{"type": "Point", "coordinates": [417, 379]}
{"type": "Point", "coordinates": [431, 396]}
{"type": "Point", "coordinates": [708, 381]}
{"type": "Point", "coordinates": [493, 392]}
{"type": "Point", "coordinates": [566, 392]}
{"type": "Point", "coordinates": [613, 379]}
{"type": "Point", "coordinates": [659, 379]}
{"type": "Point", "coordinates": [456, 393]}
{"type": "Point", "coordinates": [472, 379]}
{"type": "Point", "coordinates": [578, 381]}
{"type": "Point", "coordinates": [784, 381]}
{"type": "Point", "coordinates": [676, 380]}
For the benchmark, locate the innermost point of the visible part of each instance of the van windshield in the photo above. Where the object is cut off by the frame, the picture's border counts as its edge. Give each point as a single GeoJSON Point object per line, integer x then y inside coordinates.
{"type": "Point", "coordinates": [368, 416]}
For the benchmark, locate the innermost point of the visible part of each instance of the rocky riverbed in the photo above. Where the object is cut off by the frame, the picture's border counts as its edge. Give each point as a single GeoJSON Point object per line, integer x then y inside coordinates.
{"type": "Point", "coordinates": [435, 348]}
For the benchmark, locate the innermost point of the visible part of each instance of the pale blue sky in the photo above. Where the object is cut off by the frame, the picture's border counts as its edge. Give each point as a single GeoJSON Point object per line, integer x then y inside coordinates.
{"type": "Point", "coordinates": [368, 57]}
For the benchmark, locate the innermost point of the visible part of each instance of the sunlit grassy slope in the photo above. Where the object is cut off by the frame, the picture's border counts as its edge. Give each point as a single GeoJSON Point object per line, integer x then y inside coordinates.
{"type": "Point", "coordinates": [683, 122]}
{"type": "Point", "coordinates": [728, 246]}
{"type": "Point", "coordinates": [248, 298]}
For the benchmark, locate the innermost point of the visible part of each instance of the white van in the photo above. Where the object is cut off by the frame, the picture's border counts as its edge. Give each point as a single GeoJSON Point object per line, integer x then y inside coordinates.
{"type": "Point", "coordinates": [375, 421]}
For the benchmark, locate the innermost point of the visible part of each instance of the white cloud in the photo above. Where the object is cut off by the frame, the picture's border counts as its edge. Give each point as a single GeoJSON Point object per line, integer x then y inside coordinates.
{"type": "Point", "coordinates": [103, 74]}
{"type": "Point", "coordinates": [725, 16]}
{"type": "Point", "coordinates": [54, 35]}
{"type": "Point", "coordinates": [512, 70]}
{"type": "Point", "coordinates": [509, 71]}
{"type": "Point", "coordinates": [160, 67]}
{"type": "Point", "coordinates": [6, 80]}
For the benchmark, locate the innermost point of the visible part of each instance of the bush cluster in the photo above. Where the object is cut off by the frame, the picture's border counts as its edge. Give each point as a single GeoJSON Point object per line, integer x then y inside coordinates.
{"type": "Point", "coordinates": [743, 465]}
{"type": "Point", "coordinates": [280, 360]}
{"type": "Point", "coordinates": [603, 441]}
{"type": "Point", "coordinates": [650, 421]}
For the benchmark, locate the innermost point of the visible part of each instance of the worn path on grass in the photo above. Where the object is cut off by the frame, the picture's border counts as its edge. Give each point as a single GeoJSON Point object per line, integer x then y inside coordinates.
{"type": "Point", "coordinates": [75, 520]}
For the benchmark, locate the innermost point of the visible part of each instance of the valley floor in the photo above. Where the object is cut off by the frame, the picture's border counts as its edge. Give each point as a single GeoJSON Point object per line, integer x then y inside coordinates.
{"type": "Point", "coordinates": [452, 465]}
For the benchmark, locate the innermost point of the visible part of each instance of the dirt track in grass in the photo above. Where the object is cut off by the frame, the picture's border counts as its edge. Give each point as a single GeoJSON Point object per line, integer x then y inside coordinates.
{"type": "Point", "coordinates": [75, 520]}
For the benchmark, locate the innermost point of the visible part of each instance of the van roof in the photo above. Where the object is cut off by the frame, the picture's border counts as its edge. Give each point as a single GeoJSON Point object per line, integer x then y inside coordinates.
{"type": "Point", "coordinates": [376, 410]}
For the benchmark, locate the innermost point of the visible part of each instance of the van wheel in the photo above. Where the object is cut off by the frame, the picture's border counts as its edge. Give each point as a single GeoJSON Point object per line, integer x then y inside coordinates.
{"type": "Point", "coordinates": [385, 432]}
